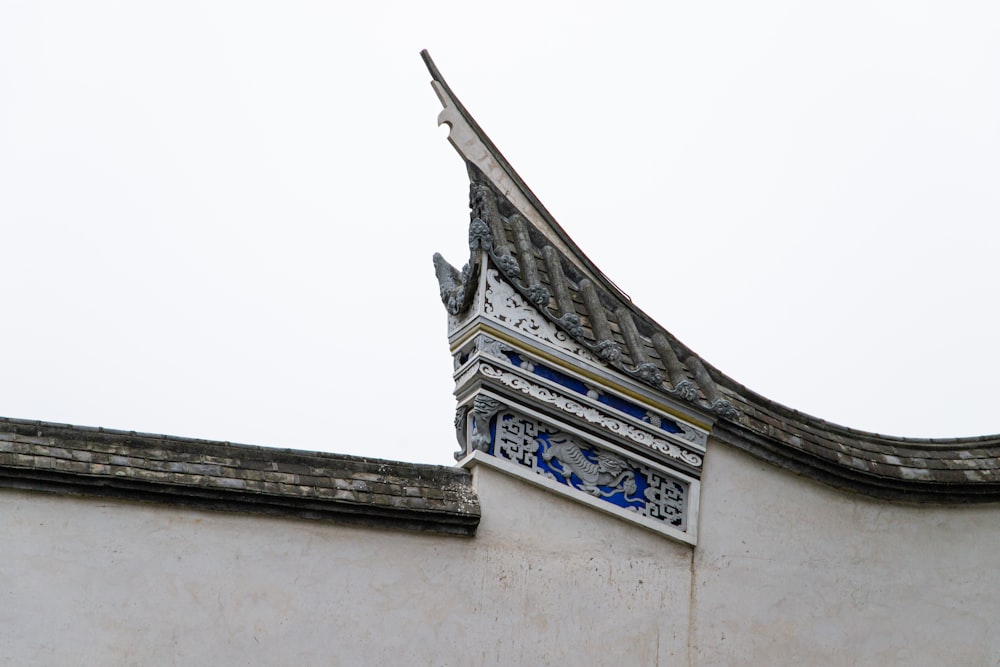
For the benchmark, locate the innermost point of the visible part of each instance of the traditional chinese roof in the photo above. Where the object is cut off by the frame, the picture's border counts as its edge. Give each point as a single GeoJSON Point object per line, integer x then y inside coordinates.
{"type": "Point", "coordinates": [77, 460]}
{"type": "Point", "coordinates": [534, 253]}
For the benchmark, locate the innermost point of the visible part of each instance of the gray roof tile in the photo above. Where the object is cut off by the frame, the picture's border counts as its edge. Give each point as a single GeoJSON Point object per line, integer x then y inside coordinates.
{"type": "Point", "coordinates": [220, 475]}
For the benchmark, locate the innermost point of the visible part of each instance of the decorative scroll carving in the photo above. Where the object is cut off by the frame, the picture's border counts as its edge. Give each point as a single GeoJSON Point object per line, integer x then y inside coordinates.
{"type": "Point", "coordinates": [538, 294]}
{"type": "Point", "coordinates": [687, 390]}
{"type": "Point", "coordinates": [571, 322]}
{"type": "Point", "coordinates": [649, 374]}
{"type": "Point", "coordinates": [508, 264]}
{"type": "Point", "coordinates": [692, 434]}
{"type": "Point", "coordinates": [609, 351]}
{"type": "Point", "coordinates": [726, 410]}
{"type": "Point", "coordinates": [592, 415]}
{"type": "Point", "coordinates": [601, 474]}
{"type": "Point", "coordinates": [688, 433]}
{"type": "Point", "coordinates": [480, 235]}
{"type": "Point", "coordinates": [509, 307]}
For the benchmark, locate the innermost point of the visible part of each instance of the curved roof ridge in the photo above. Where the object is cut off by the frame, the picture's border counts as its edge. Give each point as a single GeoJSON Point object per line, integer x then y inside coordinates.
{"type": "Point", "coordinates": [744, 392]}
{"type": "Point", "coordinates": [526, 245]}
{"type": "Point", "coordinates": [443, 118]}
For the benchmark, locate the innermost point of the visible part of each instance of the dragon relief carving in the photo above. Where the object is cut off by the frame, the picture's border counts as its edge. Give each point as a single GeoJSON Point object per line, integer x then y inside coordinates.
{"type": "Point", "coordinates": [550, 453]}
{"type": "Point", "coordinates": [608, 470]}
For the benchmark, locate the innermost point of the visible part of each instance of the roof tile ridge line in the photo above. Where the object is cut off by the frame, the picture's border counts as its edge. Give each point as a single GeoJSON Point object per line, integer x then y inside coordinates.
{"type": "Point", "coordinates": [604, 345]}
{"type": "Point", "coordinates": [516, 178]}
{"type": "Point", "coordinates": [835, 474]}
{"type": "Point", "coordinates": [185, 440]}
{"type": "Point", "coordinates": [121, 433]}
{"type": "Point", "coordinates": [713, 373]}
{"type": "Point", "coordinates": [751, 397]}
{"type": "Point", "coordinates": [608, 284]}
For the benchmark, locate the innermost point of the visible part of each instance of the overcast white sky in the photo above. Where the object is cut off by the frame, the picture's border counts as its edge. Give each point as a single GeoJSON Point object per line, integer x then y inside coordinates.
{"type": "Point", "coordinates": [218, 217]}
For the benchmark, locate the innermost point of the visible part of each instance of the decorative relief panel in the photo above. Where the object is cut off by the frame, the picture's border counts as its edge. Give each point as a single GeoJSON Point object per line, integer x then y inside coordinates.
{"type": "Point", "coordinates": [681, 430]}
{"type": "Point", "coordinates": [504, 304]}
{"type": "Point", "coordinates": [567, 460]}
{"type": "Point", "coordinates": [591, 415]}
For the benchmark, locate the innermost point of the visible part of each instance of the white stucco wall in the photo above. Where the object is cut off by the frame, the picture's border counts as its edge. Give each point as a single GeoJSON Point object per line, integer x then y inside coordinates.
{"type": "Point", "coordinates": [546, 581]}
{"type": "Point", "coordinates": [786, 572]}
{"type": "Point", "coordinates": [791, 572]}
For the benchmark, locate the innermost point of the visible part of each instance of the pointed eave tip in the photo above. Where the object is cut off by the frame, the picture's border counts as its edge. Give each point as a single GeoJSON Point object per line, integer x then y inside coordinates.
{"type": "Point", "coordinates": [489, 160]}
{"type": "Point", "coordinates": [431, 67]}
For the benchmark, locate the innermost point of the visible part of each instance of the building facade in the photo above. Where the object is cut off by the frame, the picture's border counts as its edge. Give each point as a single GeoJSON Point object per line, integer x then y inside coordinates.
{"type": "Point", "coordinates": [616, 499]}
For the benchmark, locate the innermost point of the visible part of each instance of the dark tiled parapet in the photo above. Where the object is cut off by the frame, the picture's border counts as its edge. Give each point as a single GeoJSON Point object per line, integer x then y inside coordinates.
{"type": "Point", "coordinates": [943, 470]}
{"type": "Point", "coordinates": [79, 460]}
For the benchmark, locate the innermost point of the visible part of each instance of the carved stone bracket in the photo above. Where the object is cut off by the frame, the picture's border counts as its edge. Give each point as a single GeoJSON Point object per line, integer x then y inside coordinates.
{"type": "Point", "coordinates": [483, 407]}
{"type": "Point", "coordinates": [472, 425]}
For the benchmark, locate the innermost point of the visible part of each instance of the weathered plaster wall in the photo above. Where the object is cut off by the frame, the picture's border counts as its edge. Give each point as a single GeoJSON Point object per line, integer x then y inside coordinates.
{"type": "Point", "coordinates": [786, 572]}
{"type": "Point", "coordinates": [790, 572]}
{"type": "Point", "coordinates": [546, 581]}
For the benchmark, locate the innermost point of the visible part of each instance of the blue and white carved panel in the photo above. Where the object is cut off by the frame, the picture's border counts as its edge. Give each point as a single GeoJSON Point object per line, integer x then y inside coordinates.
{"type": "Point", "coordinates": [574, 463]}
{"type": "Point", "coordinates": [569, 434]}
{"type": "Point", "coordinates": [639, 434]}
